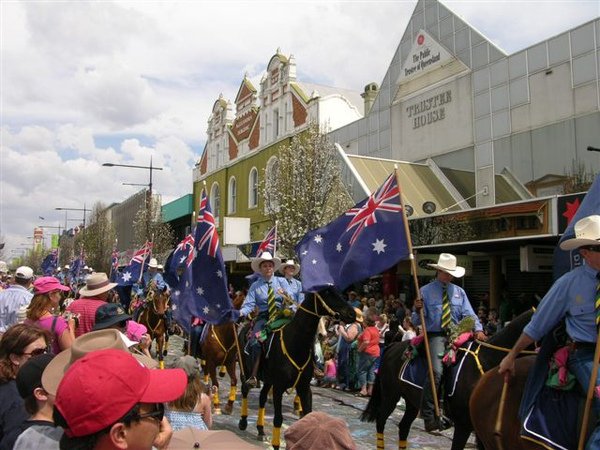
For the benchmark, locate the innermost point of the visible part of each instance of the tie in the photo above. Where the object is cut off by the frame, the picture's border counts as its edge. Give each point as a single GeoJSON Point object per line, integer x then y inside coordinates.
{"type": "Point", "coordinates": [271, 302]}
{"type": "Point", "coordinates": [598, 301]}
{"type": "Point", "coordinates": [445, 309]}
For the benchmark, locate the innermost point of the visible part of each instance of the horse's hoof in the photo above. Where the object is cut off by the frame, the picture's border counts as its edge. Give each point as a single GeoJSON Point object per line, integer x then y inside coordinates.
{"type": "Point", "coordinates": [217, 411]}
{"type": "Point", "coordinates": [243, 424]}
{"type": "Point", "coordinates": [261, 437]}
{"type": "Point", "coordinates": [227, 410]}
{"type": "Point", "coordinates": [222, 374]}
{"type": "Point", "coordinates": [165, 353]}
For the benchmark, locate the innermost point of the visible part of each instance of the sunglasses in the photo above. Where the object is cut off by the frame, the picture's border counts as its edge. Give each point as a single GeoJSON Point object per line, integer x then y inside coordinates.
{"type": "Point", "coordinates": [36, 352]}
{"type": "Point", "coordinates": [157, 413]}
{"type": "Point", "coordinates": [592, 248]}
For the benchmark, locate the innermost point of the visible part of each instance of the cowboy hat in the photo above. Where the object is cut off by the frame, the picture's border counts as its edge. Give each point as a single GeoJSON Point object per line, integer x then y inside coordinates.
{"type": "Point", "coordinates": [447, 263]}
{"type": "Point", "coordinates": [95, 284]}
{"type": "Point", "coordinates": [153, 263]}
{"type": "Point", "coordinates": [587, 232]}
{"type": "Point", "coordinates": [290, 263]}
{"type": "Point", "coordinates": [266, 256]}
{"type": "Point", "coordinates": [359, 315]}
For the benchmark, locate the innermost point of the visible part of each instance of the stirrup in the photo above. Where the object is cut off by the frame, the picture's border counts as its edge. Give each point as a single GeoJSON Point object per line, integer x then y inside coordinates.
{"type": "Point", "coordinates": [251, 382]}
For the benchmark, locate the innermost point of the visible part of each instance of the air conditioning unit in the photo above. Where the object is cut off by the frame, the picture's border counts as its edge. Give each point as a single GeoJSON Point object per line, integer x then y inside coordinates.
{"type": "Point", "coordinates": [536, 258]}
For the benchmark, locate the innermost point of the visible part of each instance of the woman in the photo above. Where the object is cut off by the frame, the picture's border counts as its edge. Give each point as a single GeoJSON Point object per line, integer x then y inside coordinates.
{"type": "Point", "coordinates": [44, 309]}
{"type": "Point", "coordinates": [18, 344]}
{"type": "Point", "coordinates": [192, 409]}
{"type": "Point", "coordinates": [347, 357]}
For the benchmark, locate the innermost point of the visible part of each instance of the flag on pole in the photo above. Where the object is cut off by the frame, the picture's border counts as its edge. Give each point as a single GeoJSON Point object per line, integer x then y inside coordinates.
{"type": "Point", "coordinates": [76, 266]}
{"type": "Point", "coordinates": [50, 263]}
{"type": "Point", "coordinates": [564, 260]}
{"type": "Point", "coordinates": [364, 241]}
{"type": "Point", "coordinates": [180, 258]}
{"type": "Point", "coordinates": [114, 264]}
{"type": "Point", "coordinates": [133, 272]}
{"type": "Point", "coordinates": [268, 243]}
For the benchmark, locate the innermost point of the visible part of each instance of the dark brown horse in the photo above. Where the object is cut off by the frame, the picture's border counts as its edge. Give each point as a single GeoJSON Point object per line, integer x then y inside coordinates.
{"type": "Point", "coordinates": [388, 389]}
{"type": "Point", "coordinates": [289, 362]}
{"type": "Point", "coordinates": [219, 350]}
{"type": "Point", "coordinates": [153, 317]}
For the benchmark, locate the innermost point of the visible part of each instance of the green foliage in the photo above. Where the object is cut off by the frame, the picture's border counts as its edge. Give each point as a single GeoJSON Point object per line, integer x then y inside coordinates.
{"type": "Point", "coordinates": [148, 226]}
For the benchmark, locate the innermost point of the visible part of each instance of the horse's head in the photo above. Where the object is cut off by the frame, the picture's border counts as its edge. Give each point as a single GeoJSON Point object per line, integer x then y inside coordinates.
{"type": "Point", "coordinates": [329, 302]}
{"type": "Point", "coordinates": [159, 300]}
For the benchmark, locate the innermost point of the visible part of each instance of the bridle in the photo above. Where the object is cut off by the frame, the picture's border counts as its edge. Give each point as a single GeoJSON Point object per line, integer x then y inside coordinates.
{"type": "Point", "coordinates": [317, 296]}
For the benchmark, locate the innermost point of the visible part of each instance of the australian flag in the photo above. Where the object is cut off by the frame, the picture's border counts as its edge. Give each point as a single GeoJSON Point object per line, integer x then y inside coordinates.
{"type": "Point", "coordinates": [50, 263]}
{"type": "Point", "coordinates": [364, 241]}
{"type": "Point", "coordinates": [564, 261]}
{"type": "Point", "coordinates": [132, 273]}
{"type": "Point", "coordinates": [114, 265]}
{"type": "Point", "coordinates": [204, 282]}
{"type": "Point", "coordinates": [181, 257]}
{"type": "Point", "coordinates": [76, 266]}
{"type": "Point", "coordinates": [268, 243]}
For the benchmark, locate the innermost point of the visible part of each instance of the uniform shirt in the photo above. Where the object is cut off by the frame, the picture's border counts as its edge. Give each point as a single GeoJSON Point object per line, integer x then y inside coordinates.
{"type": "Point", "coordinates": [11, 300]}
{"type": "Point", "coordinates": [572, 296]}
{"type": "Point", "coordinates": [295, 287]}
{"type": "Point", "coordinates": [156, 277]}
{"type": "Point", "coordinates": [257, 295]}
{"type": "Point", "coordinates": [460, 307]}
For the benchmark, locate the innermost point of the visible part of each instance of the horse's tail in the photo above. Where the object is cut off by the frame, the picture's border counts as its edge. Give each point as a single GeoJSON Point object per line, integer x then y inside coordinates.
{"type": "Point", "coordinates": [370, 412]}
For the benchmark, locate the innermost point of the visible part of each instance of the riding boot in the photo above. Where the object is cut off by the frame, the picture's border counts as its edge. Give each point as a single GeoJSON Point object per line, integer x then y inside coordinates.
{"type": "Point", "coordinates": [431, 422]}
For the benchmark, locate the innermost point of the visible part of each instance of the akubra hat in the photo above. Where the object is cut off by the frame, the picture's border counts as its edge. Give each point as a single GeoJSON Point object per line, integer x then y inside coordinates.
{"type": "Point", "coordinates": [95, 284]}
{"type": "Point", "coordinates": [290, 263]}
{"type": "Point", "coordinates": [587, 232]}
{"type": "Point", "coordinates": [447, 263]}
{"type": "Point", "coordinates": [153, 263]}
{"type": "Point", "coordinates": [266, 256]}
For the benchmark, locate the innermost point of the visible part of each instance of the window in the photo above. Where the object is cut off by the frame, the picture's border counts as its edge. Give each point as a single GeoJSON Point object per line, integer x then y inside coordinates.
{"type": "Point", "coordinates": [253, 188]}
{"type": "Point", "coordinates": [215, 202]}
{"type": "Point", "coordinates": [231, 207]}
{"type": "Point", "coordinates": [275, 124]}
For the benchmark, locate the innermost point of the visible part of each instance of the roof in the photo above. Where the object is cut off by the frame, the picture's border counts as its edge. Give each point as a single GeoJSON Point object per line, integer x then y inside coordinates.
{"type": "Point", "coordinates": [326, 91]}
{"type": "Point", "coordinates": [180, 207]}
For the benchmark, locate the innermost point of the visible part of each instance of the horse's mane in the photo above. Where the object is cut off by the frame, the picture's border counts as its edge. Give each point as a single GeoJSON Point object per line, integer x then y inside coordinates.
{"type": "Point", "coordinates": [510, 333]}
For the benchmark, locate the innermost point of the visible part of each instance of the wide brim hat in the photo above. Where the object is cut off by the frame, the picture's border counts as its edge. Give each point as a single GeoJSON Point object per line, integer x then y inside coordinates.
{"type": "Point", "coordinates": [108, 315]}
{"type": "Point", "coordinates": [84, 344]}
{"type": "Point", "coordinates": [359, 315]}
{"type": "Point", "coordinates": [95, 284]}
{"type": "Point", "coordinates": [319, 430]}
{"type": "Point", "coordinates": [194, 438]}
{"type": "Point", "coordinates": [587, 232]}
{"type": "Point", "coordinates": [153, 263]}
{"type": "Point", "coordinates": [290, 263]}
{"type": "Point", "coordinates": [447, 263]}
{"type": "Point", "coordinates": [266, 256]}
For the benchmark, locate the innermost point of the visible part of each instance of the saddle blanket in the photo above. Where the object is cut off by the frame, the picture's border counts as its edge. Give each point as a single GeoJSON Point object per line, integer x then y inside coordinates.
{"type": "Point", "coordinates": [552, 422]}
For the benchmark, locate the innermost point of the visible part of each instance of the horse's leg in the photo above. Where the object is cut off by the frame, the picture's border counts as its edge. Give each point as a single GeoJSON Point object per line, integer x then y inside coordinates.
{"type": "Point", "coordinates": [304, 394]}
{"type": "Point", "coordinates": [387, 405]}
{"type": "Point", "coordinates": [277, 417]}
{"type": "Point", "coordinates": [233, 387]}
{"type": "Point", "coordinates": [222, 370]}
{"type": "Point", "coordinates": [461, 435]}
{"type": "Point", "coordinates": [212, 371]}
{"type": "Point", "coordinates": [166, 337]}
{"type": "Point", "coordinates": [297, 405]}
{"type": "Point", "coordinates": [243, 423]}
{"type": "Point", "coordinates": [262, 400]}
{"type": "Point", "coordinates": [160, 342]}
{"type": "Point", "coordinates": [410, 414]}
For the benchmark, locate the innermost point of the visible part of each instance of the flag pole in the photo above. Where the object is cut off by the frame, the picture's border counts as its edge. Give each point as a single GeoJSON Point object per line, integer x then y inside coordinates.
{"type": "Point", "coordinates": [275, 240]}
{"type": "Point", "coordinates": [413, 265]}
{"type": "Point", "coordinates": [590, 395]}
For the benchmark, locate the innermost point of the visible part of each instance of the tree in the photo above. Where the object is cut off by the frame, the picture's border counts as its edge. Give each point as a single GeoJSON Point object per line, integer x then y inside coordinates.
{"type": "Point", "coordinates": [303, 189]}
{"type": "Point", "coordinates": [148, 223]}
{"type": "Point", "coordinates": [98, 239]}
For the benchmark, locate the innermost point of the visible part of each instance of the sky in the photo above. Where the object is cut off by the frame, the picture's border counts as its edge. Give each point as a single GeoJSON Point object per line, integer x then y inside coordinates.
{"type": "Point", "coordinates": [83, 83]}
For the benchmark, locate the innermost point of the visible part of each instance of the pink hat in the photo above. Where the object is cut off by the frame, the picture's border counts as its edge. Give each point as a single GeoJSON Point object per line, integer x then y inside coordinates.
{"type": "Point", "coordinates": [43, 285]}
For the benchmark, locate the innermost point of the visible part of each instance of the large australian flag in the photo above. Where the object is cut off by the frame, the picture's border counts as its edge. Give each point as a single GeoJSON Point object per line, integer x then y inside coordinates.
{"type": "Point", "coordinates": [133, 272]}
{"type": "Point", "coordinates": [564, 261]}
{"type": "Point", "coordinates": [364, 241]}
{"type": "Point", "coordinates": [50, 263]}
{"type": "Point", "coordinates": [180, 258]}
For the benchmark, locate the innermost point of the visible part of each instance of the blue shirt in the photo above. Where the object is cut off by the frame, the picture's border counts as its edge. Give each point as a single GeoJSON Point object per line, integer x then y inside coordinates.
{"type": "Point", "coordinates": [257, 295]}
{"type": "Point", "coordinates": [11, 300]}
{"type": "Point", "coordinates": [572, 296]}
{"type": "Point", "coordinates": [295, 287]}
{"type": "Point", "coordinates": [460, 307]}
{"type": "Point", "coordinates": [148, 277]}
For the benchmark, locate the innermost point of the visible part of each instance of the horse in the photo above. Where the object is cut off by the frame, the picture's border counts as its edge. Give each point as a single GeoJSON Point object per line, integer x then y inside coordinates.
{"type": "Point", "coordinates": [288, 363]}
{"type": "Point", "coordinates": [388, 389]}
{"type": "Point", "coordinates": [153, 317]}
{"type": "Point", "coordinates": [219, 349]}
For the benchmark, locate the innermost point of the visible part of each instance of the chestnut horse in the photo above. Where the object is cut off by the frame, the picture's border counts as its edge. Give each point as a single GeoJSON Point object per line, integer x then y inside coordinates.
{"type": "Point", "coordinates": [388, 389]}
{"type": "Point", "coordinates": [153, 317]}
{"type": "Point", "coordinates": [219, 350]}
{"type": "Point", "coordinates": [289, 360]}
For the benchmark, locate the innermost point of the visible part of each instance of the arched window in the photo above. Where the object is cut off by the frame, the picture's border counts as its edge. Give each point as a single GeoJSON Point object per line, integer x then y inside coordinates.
{"type": "Point", "coordinates": [215, 202]}
{"type": "Point", "coordinates": [253, 188]}
{"type": "Point", "coordinates": [231, 206]}
{"type": "Point", "coordinates": [271, 175]}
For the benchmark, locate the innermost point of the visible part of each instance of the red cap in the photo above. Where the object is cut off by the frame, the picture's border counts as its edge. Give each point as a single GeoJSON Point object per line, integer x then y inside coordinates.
{"type": "Point", "coordinates": [100, 388]}
{"type": "Point", "coordinates": [43, 285]}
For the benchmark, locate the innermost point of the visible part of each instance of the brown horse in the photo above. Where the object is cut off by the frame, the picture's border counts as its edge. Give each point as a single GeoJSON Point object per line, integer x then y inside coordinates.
{"type": "Point", "coordinates": [219, 350]}
{"type": "Point", "coordinates": [153, 317]}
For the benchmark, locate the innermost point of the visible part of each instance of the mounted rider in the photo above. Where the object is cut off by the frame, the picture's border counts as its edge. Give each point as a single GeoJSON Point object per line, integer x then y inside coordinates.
{"type": "Point", "coordinates": [290, 269]}
{"type": "Point", "coordinates": [267, 296]}
{"type": "Point", "coordinates": [152, 277]}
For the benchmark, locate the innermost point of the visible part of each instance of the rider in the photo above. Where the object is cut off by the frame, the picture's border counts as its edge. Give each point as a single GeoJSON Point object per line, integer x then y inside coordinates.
{"type": "Point", "coordinates": [432, 298]}
{"type": "Point", "coordinates": [290, 269]}
{"type": "Point", "coordinates": [574, 298]}
{"type": "Point", "coordinates": [257, 298]}
{"type": "Point", "coordinates": [150, 276]}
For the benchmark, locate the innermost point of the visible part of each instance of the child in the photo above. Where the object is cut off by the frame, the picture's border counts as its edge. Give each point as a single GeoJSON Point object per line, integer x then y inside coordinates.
{"type": "Point", "coordinates": [330, 371]}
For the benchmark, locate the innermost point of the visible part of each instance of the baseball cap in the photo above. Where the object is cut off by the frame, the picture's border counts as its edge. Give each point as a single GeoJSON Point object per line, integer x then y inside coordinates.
{"type": "Point", "coordinates": [319, 430]}
{"type": "Point", "coordinates": [43, 285]}
{"type": "Point", "coordinates": [24, 272]}
{"type": "Point", "coordinates": [110, 314]}
{"type": "Point", "coordinates": [100, 388]}
{"type": "Point", "coordinates": [29, 377]}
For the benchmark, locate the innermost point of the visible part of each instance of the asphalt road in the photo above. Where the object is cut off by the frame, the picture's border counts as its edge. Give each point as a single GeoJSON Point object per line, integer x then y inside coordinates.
{"type": "Point", "coordinates": [336, 403]}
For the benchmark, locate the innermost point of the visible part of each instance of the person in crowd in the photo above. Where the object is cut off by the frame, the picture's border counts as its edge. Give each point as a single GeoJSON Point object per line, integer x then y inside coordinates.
{"type": "Point", "coordinates": [347, 357]}
{"type": "Point", "coordinates": [318, 430]}
{"type": "Point", "coordinates": [93, 295]}
{"type": "Point", "coordinates": [16, 296]}
{"type": "Point", "coordinates": [329, 371]}
{"type": "Point", "coordinates": [44, 312]}
{"type": "Point", "coordinates": [383, 326]}
{"type": "Point", "coordinates": [18, 344]}
{"type": "Point", "coordinates": [368, 353]}
{"type": "Point", "coordinates": [3, 275]}
{"type": "Point", "coordinates": [573, 297]}
{"type": "Point", "coordinates": [112, 315]}
{"type": "Point", "coordinates": [127, 398]}
{"type": "Point", "coordinates": [65, 275]}
{"type": "Point", "coordinates": [193, 408]}
{"type": "Point", "coordinates": [482, 315]}
{"type": "Point", "coordinates": [258, 298]}
{"type": "Point", "coordinates": [153, 275]}
{"type": "Point", "coordinates": [443, 303]}
{"type": "Point", "coordinates": [290, 269]}
{"type": "Point", "coordinates": [354, 300]}
{"type": "Point", "coordinates": [39, 431]}
{"type": "Point", "coordinates": [491, 326]}
{"type": "Point", "coordinates": [408, 329]}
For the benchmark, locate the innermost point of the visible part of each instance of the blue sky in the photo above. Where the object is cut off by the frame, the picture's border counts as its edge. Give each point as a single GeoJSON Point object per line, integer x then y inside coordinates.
{"type": "Point", "coordinates": [90, 82]}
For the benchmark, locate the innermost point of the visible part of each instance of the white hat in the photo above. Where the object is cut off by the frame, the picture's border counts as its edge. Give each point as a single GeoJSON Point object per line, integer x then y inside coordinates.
{"type": "Point", "coordinates": [266, 256]}
{"type": "Point", "coordinates": [447, 263]}
{"type": "Point", "coordinates": [3, 267]}
{"type": "Point", "coordinates": [24, 272]}
{"type": "Point", "coordinates": [95, 284]}
{"type": "Point", "coordinates": [160, 267]}
{"type": "Point", "coordinates": [67, 267]}
{"type": "Point", "coordinates": [587, 232]}
{"type": "Point", "coordinates": [290, 263]}
{"type": "Point", "coordinates": [153, 263]}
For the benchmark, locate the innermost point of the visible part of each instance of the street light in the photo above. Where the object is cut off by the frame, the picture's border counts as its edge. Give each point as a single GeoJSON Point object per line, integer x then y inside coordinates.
{"type": "Point", "coordinates": [593, 149]}
{"type": "Point", "coordinates": [84, 209]}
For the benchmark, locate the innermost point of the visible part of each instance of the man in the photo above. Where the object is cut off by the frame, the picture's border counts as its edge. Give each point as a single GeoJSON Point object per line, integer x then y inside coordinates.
{"type": "Point", "coordinates": [15, 297]}
{"type": "Point", "coordinates": [290, 269]}
{"type": "Point", "coordinates": [258, 298]}
{"type": "Point", "coordinates": [3, 275]}
{"type": "Point", "coordinates": [573, 297]}
{"type": "Point", "coordinates": [107, 400]}
{"type": "Point", "coordinates": [93, 295]}
{"type": "Point", "coordinates": [444, 303]}
{"type": "Point", "coordinates": [64, 276]}
{"type": "Point", "coordinates": [353, 300]}
{"type": "Point", "coordinates": [152, 275]}
{"type": "Point", "coordinates": [112, 315]}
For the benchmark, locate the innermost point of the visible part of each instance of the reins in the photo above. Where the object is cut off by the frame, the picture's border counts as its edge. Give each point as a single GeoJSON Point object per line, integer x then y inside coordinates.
{"type": "Point", "coordinates": [226, 350]}
{"type": "Point", "coordinates": [475, 354]}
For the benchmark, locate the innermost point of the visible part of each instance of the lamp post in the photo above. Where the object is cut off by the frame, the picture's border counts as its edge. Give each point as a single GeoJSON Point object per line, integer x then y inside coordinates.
{"type": "Point", "coordinates": [84, 209]}
{"type": "Point", "coordinates": [593, 149]}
